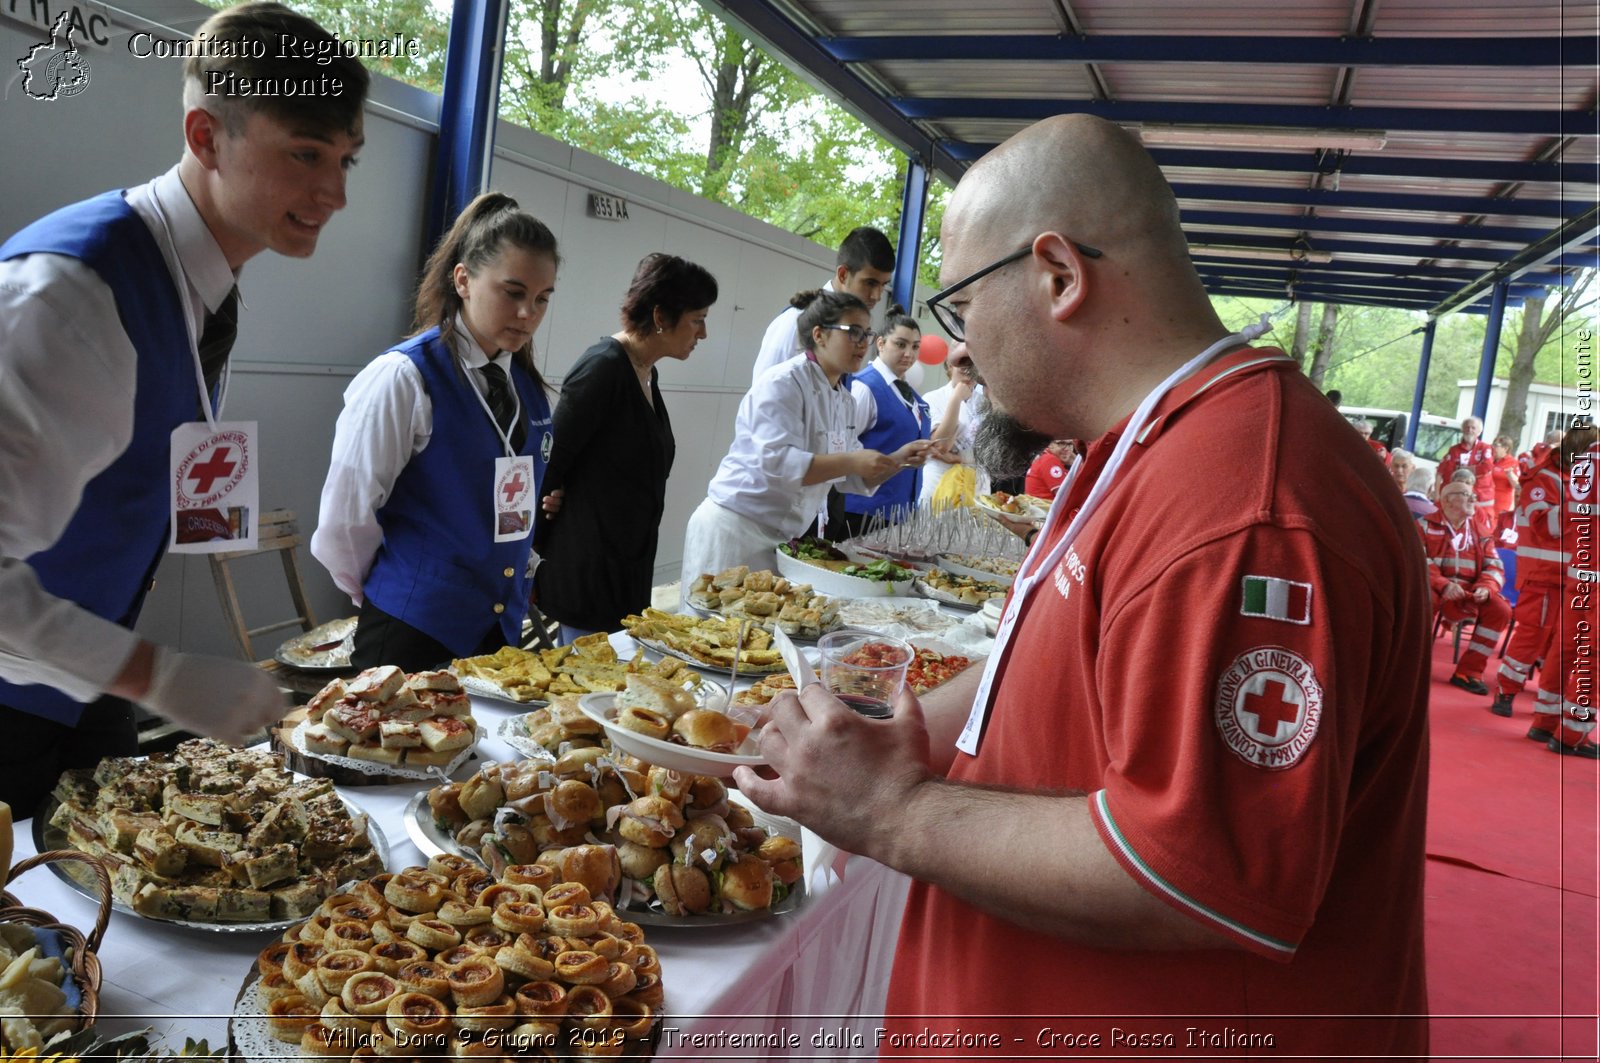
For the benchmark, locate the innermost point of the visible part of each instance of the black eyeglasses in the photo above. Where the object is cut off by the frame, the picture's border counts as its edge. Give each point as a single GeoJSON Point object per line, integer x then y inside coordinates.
{"type": "Point", "coordinates": [858, 335]}
{"type": "Point", "coordinates": [954, 323]}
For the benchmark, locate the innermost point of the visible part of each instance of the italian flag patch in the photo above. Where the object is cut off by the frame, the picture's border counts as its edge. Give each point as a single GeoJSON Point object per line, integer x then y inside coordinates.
{"type": "Point", "coordinates": [1271, 598]}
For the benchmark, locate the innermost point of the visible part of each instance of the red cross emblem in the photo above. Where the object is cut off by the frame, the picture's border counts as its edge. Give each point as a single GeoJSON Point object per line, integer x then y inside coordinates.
{"type": "Point", "coordinates": [513, 487]}
{"type": "Point", "coordinates": [1271, 709]}
{"type": "Point", "coordinates": [217, 467]}
{"type": "Point", "coordinates": [1263, 690]}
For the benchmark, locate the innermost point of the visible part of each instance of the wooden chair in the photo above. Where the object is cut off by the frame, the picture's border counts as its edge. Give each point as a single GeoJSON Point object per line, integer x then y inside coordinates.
{"type": "Point", "coordinates": [277, 533]}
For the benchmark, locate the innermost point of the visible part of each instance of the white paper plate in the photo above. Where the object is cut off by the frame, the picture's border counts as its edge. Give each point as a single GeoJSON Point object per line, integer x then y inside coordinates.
{"type": "Point", "coordinates": [602, 707]}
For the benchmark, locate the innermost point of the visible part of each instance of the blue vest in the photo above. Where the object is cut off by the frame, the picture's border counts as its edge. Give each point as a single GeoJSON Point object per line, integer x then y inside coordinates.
{"type": "Point", "coordinates": [439, 568]}
{"type": "Point", "coordinates": [893, 429]}
{"type": "Point", "coordinates": [104, 559]}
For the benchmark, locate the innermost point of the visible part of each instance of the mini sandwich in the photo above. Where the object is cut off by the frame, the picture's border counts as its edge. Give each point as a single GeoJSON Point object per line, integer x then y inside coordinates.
{"type": "Point", "coordinates": [662, 696]}
{"type": "Point", "coordinates": [377, 684]}
{"type": "Point", "coordinates": [730, 577]}
{"type": "Point", "coordinates": [325, 698]}
{"type": "Point", "coordinates": [440, 733]}
{"type": "Point", "coordinates": [748, 883]}
{"type": "Point", "coordinates": [708, 729]}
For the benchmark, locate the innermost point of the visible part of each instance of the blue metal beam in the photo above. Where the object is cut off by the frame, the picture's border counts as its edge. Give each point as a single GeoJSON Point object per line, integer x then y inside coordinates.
{"type": "Point", "coordinates": [1310, 272]}
{"type": "Point", "coordinates": [467, 111]}
{"type": "Point", "coordinates": [1384, 227]}
{"type": "Point", "coordinates": [1377, 291]}
{"type": "Point", "coordinates": [1314, 294]}
{"type": "Point", "coordinates": [1570, 236]}
{"type": "Point", "coordinates": [1359, 164]}
{"type": "Point", "coordinates": [1210, 245]}
{"type": "Point", "coordinates": [1549, 123]}
{"type": "Point", "coordinates": [908, 248]}
{"type": "Point", "coordinates": [1491, 347]}
{"type": "Point", "coordinates": [1422, 382]}
{"type": "Point", "coordinates": [1252, 51]}
{"type": "Point", "coordinates": [1406, 201]}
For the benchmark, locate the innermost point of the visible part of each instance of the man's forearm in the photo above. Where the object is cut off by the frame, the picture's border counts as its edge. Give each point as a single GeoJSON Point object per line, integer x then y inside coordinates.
{"type": "Point", "coordinates": [1035, 860]}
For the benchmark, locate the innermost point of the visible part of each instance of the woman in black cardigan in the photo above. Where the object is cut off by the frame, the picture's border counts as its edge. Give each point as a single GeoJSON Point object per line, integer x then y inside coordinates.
{"type": "Point", "coordinates": [613, 451]}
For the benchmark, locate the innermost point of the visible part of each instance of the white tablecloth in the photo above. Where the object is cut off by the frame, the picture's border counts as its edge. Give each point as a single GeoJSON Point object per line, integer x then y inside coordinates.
{"type": "Point", "coordinates": [792, 982]}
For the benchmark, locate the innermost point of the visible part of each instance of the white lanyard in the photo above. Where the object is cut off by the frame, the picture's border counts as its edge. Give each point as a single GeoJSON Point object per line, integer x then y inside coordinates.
{"type": "Point", "coordinates": [472, 376]}
{"type": "Point", "coordinates": [1035, 567]}
{"type": "Point", "coordinates": [188, 327]}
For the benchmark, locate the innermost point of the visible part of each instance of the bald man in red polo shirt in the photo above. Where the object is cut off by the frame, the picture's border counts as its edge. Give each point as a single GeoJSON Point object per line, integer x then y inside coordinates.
{"type": "Point", "coordinates": [1183, 812]}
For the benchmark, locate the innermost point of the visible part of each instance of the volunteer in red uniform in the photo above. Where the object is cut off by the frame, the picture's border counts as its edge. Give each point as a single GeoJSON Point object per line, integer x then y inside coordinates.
{"type": "Point", "coordinates": [1542, 561]}
{"type": "Point", "coordinates": [1529, 458]}
{"type": "Point", "coordinates": [1199, 787]}
{"type": "Point", "coordinates": [1507, 476]}
{"type": "Point", "coordinates": [1466, 577]}
{"type": "Point", "coordinates": [1573, 645]}
{"type": "Point", "coordinates": [1474, 454]}
{"type": "Point", "coordinates": [1049, 470]}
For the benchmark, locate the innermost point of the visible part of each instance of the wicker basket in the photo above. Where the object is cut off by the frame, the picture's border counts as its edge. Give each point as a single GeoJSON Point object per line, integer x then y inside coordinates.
{"type": "Point", "coordinates": [84, 965]}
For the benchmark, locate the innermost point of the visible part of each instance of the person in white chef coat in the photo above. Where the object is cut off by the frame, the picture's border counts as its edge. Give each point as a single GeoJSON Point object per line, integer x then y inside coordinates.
{"type": "Point", "coordinates": [117, 320]}
{"type": "Point", "coordinates": [794, 437]}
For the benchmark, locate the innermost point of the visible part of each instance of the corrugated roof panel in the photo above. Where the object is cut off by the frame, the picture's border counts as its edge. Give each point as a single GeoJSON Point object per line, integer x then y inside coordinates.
{"type": "Point", "coordinates": [984, 78]}
{"type": "Point", "coordinates": [1507, 147]}
{"type": "Point", "coordinates": [1215, 83]}
{"type": "Point", "coordinates": [949, 17]}
{"type": "Point", "coordinates": [1212, 17]}
{"type": "Point", "coordinates": [1486, 18]}
{"type": "Point", "coordinates": [1496, 88]}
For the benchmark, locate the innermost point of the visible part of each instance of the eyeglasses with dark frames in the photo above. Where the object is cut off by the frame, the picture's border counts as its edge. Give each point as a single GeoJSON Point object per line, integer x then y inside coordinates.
{"type": "Point", "coordinates": [858, 335]}
{"type": "Point", "coordinates": [953, 322]}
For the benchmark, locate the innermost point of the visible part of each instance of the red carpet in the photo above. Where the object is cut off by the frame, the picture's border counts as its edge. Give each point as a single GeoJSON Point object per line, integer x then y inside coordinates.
{"type": "Point", "coordinates": [1513, 865]}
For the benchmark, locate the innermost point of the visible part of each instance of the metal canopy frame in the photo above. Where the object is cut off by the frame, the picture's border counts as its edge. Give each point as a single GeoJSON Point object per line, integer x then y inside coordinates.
{"type": "Point", "coordinates": [1488, 175]}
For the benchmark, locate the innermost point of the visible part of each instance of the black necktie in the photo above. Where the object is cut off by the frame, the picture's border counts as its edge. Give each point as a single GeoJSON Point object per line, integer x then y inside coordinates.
{"type": "Point", "coordinates": [909, 396]}
{"type": "Point", "coordinates": [503, 404]}
{"type": "Point", "coordinates": [217, 334]}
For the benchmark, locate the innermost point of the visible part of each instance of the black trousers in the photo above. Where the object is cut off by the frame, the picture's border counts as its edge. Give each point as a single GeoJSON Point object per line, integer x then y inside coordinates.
{"type": "Point", "coordinates": [36, 750]}
{"type": "Point", "coordinates": [383, 639]}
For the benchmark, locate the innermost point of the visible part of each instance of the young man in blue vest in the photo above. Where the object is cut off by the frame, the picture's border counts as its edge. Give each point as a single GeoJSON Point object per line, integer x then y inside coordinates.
{"type": "Point", "coordinates": [112, 311]}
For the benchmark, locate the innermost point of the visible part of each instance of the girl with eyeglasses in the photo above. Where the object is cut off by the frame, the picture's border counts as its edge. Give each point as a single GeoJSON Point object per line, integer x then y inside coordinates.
{"type": "Point", "coordinates": [794, 436]}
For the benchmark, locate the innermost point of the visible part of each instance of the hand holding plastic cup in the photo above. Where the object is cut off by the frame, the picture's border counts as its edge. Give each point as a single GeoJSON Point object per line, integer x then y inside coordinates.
{"type": "Point", "coordinates": [864, 671]}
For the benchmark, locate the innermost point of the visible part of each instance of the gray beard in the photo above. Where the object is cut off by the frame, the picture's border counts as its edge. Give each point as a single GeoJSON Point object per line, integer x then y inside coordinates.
{"type": "Point", "coordinates": [1004, 446]}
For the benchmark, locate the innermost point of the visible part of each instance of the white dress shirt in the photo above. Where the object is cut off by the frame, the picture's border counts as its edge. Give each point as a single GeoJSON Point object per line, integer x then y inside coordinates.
{"type": "Point", "coordinates": [781, 341]}
{"type": "Point", "coordinates": [788, 417]}
{"type": "Point", "coordinates": [386, 421]}
{"type": "Point", "coordinates": [966, 429]}
{"type": "Point", "coordinates": [67, 373]}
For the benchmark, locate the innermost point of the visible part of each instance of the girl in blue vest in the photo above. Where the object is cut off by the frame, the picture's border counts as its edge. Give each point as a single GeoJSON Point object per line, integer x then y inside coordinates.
{"type": "Point", "coordinates": [889, 414]}
{"type": "Point", "coordinates": [426, 514]}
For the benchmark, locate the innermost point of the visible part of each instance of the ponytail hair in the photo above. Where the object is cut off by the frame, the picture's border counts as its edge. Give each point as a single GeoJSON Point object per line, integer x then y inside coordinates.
{"type": "Point", "coordinates": [487, 225]}
{"type": "Point", "coordinates": [819, 307]}
{"type": "Point", "coordinates": [896, 317]}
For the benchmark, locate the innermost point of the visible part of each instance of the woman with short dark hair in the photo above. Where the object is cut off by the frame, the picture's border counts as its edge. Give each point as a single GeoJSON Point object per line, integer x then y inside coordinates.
{"type": "Point", "coordinates": [614, 450]}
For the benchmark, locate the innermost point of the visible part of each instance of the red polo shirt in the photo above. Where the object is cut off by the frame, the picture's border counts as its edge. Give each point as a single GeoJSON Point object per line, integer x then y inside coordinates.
{"type": "Point", "coordinates": [1237, 677]}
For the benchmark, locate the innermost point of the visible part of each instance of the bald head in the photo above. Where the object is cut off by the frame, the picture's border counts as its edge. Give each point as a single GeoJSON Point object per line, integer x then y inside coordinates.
{"type": "Point", "coordinates": [1078, 175]}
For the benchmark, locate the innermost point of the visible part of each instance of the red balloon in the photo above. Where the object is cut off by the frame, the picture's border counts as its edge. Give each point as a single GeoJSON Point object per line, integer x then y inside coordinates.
{"type": "Point", "coordinates": [934, 350]}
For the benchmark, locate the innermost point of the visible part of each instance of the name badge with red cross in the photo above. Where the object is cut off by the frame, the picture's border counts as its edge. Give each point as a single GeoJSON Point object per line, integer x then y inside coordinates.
{"type": "Point", "coordinates": [1269, 706]}
{"type": "Point", "coordinates": [514, 491]}
{"type": "Point", "coordinates": [216, 488]}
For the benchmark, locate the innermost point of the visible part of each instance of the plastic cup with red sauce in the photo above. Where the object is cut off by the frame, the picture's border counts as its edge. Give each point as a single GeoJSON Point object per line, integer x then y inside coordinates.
{"type": "Point", "coordinates": [865, 671]}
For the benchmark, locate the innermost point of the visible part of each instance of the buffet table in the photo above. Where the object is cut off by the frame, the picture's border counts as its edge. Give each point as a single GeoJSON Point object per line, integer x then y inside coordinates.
{"type": "Point", "coordinates": [808, 983]}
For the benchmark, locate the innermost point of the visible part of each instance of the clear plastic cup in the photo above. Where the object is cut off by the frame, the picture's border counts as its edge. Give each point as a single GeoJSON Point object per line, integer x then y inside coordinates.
{"type": "Point", "coordinates": [865, 671]}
